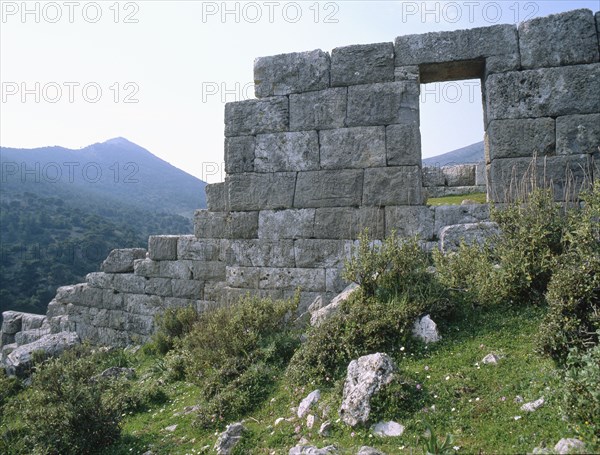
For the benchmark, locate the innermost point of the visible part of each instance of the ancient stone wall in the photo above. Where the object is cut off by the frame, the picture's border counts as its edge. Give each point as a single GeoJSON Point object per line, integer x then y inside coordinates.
{"type": "Point", "coordinates": [330, 146]}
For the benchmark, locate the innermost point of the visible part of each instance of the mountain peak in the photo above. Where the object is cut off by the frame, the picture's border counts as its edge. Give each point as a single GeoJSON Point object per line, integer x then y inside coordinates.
{"type": "Point", "coordinates": [119, 141]}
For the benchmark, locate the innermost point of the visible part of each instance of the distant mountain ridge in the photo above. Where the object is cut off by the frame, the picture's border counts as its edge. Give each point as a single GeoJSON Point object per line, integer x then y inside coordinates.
{"type": "Point", "coordinates": [470, 154]}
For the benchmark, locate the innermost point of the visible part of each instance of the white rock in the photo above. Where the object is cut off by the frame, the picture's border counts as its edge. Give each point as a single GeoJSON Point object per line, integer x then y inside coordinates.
{"type": "Point", "coordinates": [567, 445]}
{"type": "Point", "coordinates": [533, 405]}
{"type": "Point", "coordinates": [426, 330]}
{"type": "Point", "coordinates": [171, 428]}
{"type": "Point", "coordinates": [325, 428]}
{"type": "Point", "coordinates": [390, 428]}
{"type": "Point", "coordinates": [490, 359]}
{"type": "Point", "coordinates": [310, 421]}
{"type": "Point", "coordinates": [301, 449]}
{"type": "Point", "coordinates": [229, 438]}
{"type": "Point", "coordinates": [278, 421]}
{"type": "Point", "coordinates": [308, 402]}
{"type": "Point", "coordinates": [366, 450]}
{"type": "Point", "coordinates": [322, 314]}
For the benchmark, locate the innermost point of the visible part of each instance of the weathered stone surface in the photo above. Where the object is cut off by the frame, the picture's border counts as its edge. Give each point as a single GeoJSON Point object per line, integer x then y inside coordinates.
{"type": "Point", "coordinates": [319, 110]}
{"type": "Point", "coordinates": [158, 286]}
{"type": "Point", "coordinates": [191, 247]}
{"type": "Point", "coordinates": [399, 185]}
{"type": "Point", "coordinates": [569, 445]}
{"type": "Point", "coordinates": [19, 360]}
{"type": "Point", "coordinates": [302, 449]}
{"type": "Point", "coordinates": [280, 152]}
{"type": "Point", "coordinates": [225, 225]}
{"type": "Point", "coordinates": [459, 175]}
{"type": "Point", "coordinates": [207, 270]}
{"type": "Point", "coordinates": [334, 280]}
{"type": "Point", "coordinates": [141, 267]}
{"type": "Point", "coordinates": [362, 64]}
{"type": "Point", "coordinates": [121, 261]}
{"type": "Point", "coordinates": [175, 269]}
{"type": "Point", "coordinates": [433, 176]}
{"type": "Point", "coordinates": [243, 277]}
{"type": "Point", "coordinates": [68, 294]}
{"type": "Point", "coordinates": [490, 359]}
{"type": "Point", "coordinates": [308, 403]}
{"type": "Point", "coordinates": [292, 278]}
{"type": "Point", "coordinates": [366, 450]}
{"type": "Point", "coordinates": [559, 39]}
{"type": "Point", "coordinates": [329, 188]}
{"type": "Point", "coordinates": [249, 117]}
{"type": "Point", "coordinates": [533, 405]}
{"type": "Point", "coordinates": [409, 221]}
{"type": "Point", "coordinates": [229, 438]}
{"type": "Point", "coordinates": [322, 253]}
{"type": "Point", "coordinates": [348, 222]}
{"type": "Point", "coordinates": [216, 197]}
{"type": "Point", "coordinates": [259, 253]}
{"type": "Point", "coordinates": [11, 322]}
{"type": "Point", "coordinates": [521, 137]}
{"type": "Point", "coordinates": [187, 289]}
{"type": "Point", "coordinates": [253, 191]}
{"type": "Point", "coordinates": [471, 233]}
{"type": "Point", "coordinates": [132, 284]}
{"type": "Point", "coordinates": [388, 429]}
{"type": "Point", "coordinates": [550, 92]}
{"type": "Point", "coordinates": [577, 134]}
{"type": "Point", "coordinates": [286, 224]}
{"type": "Point", "coordinates": [162, 247]}
{"type": "Point", "coordinates": [31, 321]}
{"type": "Point", "coordinates": [322, 314]}
{"type": "Point", "coordinates": [291, 73]}
{"type": "Point", "coordinates": [358, 147]}
{"type": "Point", "coordinates": [366, 376]}
{"type": "Point", "coordinates": [426, 330]}
{"type": "Point", "coordinates": [447, 215]}
{"type": "Point", "coordinates": [29, 336]}
{"type": "Point", "coordinates": [239, 154]}
{"type": "Point", "coordinates": [480, 175]}
{"type": "Point", "coordinates": [383, 104]}
{"type": "Point", "coordinates": [403, 145]}
{"type": "Point", "coordinates": [407, 73]}
{"type": "Point", "coordinates": [444, 55]}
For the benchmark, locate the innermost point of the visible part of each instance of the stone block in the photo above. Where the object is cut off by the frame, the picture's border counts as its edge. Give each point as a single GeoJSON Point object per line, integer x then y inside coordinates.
{"type": "Point", "coordinates": [142, 304]}
{"type": "Point", "coordinates": [208, 271]}
{"type": "Point", "coordinates": [129, 283]}
{"type": "Point", "coordinates": [32, 321]}
{"type": "Point", "coordinates": [141, 267]}
{"type": "Point", "coordinates": [243, 277]}
{"type": "Point", "coordinates": [521, 137]}
{"type": "Point", "coordinates": [578, 134]}
{"type": "Point", "coordinates": [357, 147]}
{"type": "Point", "coordinates": [448, 215]}
{"type": "Point", "coordinates": [480, 175]}
{"type": "Point", "coordinates": [348, 222]}
{"type": "Point", "coordinates": [329, 188]}
{"type": "Point", "coordinates": [334, 281]}
{"type": "Point", "coordinates": [190, 247]}
{"type": "Point", "coordinates": [180, 269]}
{"type": "Point", "coordinates": [567, 38]}
{"type": "Point", "coordinates": [159, 286]}
{"type": "Point", "coordinates": [399, 185]}
{"type": "Point", "coordinates": [291, 73]}
{"type": "Point", "coordinates": [286, 224]}
{"type": "Point", "coordinates": [117, 320]}
{"type": "Point", "coordinates": [407, 73]}
{"type": "Point", "coordinates": [550, 92]}
{"type": "Point", "coordinates": [216, 197]}
{"type": "Point", "coordinates": [239, 154]}
{"type": "Point", "coordinates": [261, 253]}
{"type": "Point", "coordinates": [306, 279]}
{"type": "Point", "coordinates": [94, 279]}
{"type": "Point", "coordinates": [11, 322]}
{"type": "Point", "coordinates": [112, 300]}
{"type": "Point", "coordinates": [459, 175]}
{"type": "Point", "coordinates": [162, 247]}
{"type": "Point", "coordinates": [225, 225]}
{"type": "Point", "coordinates": [307, 298]}
{"type": "Point", "coordinates": [324, 109]}
{"type": "Point", "coordinates": [140, 324]}
{"type": "Point", "coordinates": [261, 191]}
{"type": "Point", "coordinates": [187, 289]}
{"type": "Point", "coordinates": [410, 221]}
{"type": "Point", "coordinates": [383, 104]}
{"type": "Point", "coordinates": [228, 295]}
{"type": "Point", "coordinates": [250, 117]}
{"type": "Point", "coordinates": [362, 64]}
{"type": "Point", "coordinates": [121, 260]}
{"type": "Point", "coordinates": [280, 152]}
{"type": "Point", "coordinates": [453, 55]}
{"type": "Point", "coordinates": [451, 237]}
{"type": "Point", "coordinates": [433, 176]}
{"type": "Point", "coordinates": [403, 145]}
{"type": "Point", "coordinates": [322, 253]}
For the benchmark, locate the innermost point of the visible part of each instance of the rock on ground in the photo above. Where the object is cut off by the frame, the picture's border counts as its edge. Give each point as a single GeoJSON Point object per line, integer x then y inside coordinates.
{"type": "Point", "coordinates": [308, 403]}
{"type": "Point", "coordinates": [366, 450]}
{"type": "Point", "coordinates": [312, 450]}
{"type": "Point", "coordinates": [390, 428]}
{"type": "Point", "coordinates": [533, 405]}
{"type": "Point", "coordinates": [365, 377]}
{"type": "Point", "coordinates": [229, 438]}
{"type": "Point", "coordinates": [322, 314]}
{"type": "Point", "coordinates": [491, 359]}
{"type": "Point", "coordinates": [426, 330]}
{"type": "Point", "coordinates": [568, 445]}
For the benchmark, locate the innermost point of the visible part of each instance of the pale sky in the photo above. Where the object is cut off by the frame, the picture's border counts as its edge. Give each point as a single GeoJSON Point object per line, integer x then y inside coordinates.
{"type": "Point", "coordinates": [71, 72]}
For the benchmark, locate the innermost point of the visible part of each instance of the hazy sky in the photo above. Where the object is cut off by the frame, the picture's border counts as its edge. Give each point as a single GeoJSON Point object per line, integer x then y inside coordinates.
{"type": "Point", "coordinates": [158, 73]}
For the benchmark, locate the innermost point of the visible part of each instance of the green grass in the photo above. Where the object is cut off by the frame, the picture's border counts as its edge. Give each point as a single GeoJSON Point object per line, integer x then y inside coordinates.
{"type": "Point", "coordinates": [459, 395]}
{"type": "Point", "coordinates": [456, 200]}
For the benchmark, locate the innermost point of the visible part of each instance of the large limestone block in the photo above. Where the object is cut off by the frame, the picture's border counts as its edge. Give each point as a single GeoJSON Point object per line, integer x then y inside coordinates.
{"type": "Point", "coordinates": [191, 247]}
{"type": "Point", "coordinates": [239, 154]}
{"type": "Point", "coordinates": [32, 321]}
{"type": "Point", "coordinates": [357, 147]}
{"type": "Point", "coordinates": [101, 280]}
{"type": "Point", "coordinates": [249, 117]}
{"type": "Point", "coordinates": [559, 39]}
{"type": "Point", "coordinates": [550, 92]}
{"type": "Point", "coordinates": [260, 253]}
{"type": "Point", "coordinates": [158, 286]}
{"type": "Point", "coordinates": [329, 188]}
{"type": "Point", "coordinates": [291, 73]}
{"type": "Point", "coordinates": [471, 233]}
{"type": "Point", "coordinates": [11, 322]}
{"type": "Point", "coordinates": [348, 222]}
{"type": "Point", "coordinates": [129, 283]}
{"type": "Point", "coordinates": [252, 191]}
{"type": "Point", "coordinates": [383, 104]}
{"type": "Point", "coordinates": [322, 253]}
{"type": "Point", "coordinates": [187, 289]}
{"type": "Point", "coordinates": [138, 324]}
{"type": "Point", "coordinates": [521, 137]}
{"type": "Point", "coordinates": [323, 109]}
{"type": "Point", "coordinates": [216, 197]}
{"type": "Point", "coordinates": [335, 281]}
{"type": "Point", "coordinates": [142, 304]}
{"type": "Point", "coordinates": [409, 221]}
{"type": "Point", "coordinates": [398, 185]}
{"type": "Point", "coordinates": [141, 267]}
{"type": "Point", "coordinates": [307, 279]}
{"type": "Point", "coordinates": [243, 277]}
{"type": "Point", "coordinates": [433, 176]}
{"type": "Point", "coordinates": [225, 225]}
{"type": "Point", "coordinates": [403, 144]}
{"type": "Point", "coordinates": [447, 215]}
{"type": "Point", "coordinates": [362, 64]}
{"type": "Point", "coordinates": [578, 134]}
{"type": "Point", "coordinates": [175, 269]}
{"type": "Point", "coordinates": [286, 224]}
{"type": "Point", "coordinates": [280, 152]}
{"type": "Point", "coordinates": [162, 247]}
{"type": "Point", "coordinates": [121, 260]}
{"type": "Point", "coordinates": [207, 270]}
{"type": "Point", "coordinates": [459, 175]}
{"type": "Point", "coordinates": [29, 336]}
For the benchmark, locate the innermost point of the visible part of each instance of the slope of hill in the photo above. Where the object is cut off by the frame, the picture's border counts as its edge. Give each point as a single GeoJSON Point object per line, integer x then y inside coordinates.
{"type": "Point", "coordinates": [470, 154]}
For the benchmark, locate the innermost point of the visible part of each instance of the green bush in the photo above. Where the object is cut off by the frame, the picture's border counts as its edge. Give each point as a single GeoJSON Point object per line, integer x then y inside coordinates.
{"type": "Point", "coordinates": [171, 325]}
{"type": "Point", "coordinates": [10, 386]}
{"type": "Point", "coordinates": [234, 353]}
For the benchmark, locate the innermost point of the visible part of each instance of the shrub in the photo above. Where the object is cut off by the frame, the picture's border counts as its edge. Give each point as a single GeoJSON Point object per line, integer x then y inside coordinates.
{"type": "Point", "coordinates": [171, 325]}
{"type": "Point", "coordinates": [10, 386]}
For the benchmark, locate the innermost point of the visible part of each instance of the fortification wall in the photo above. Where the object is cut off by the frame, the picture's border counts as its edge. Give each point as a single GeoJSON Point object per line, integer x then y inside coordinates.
{"type": "Point", "coordinates": [331, 146]}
